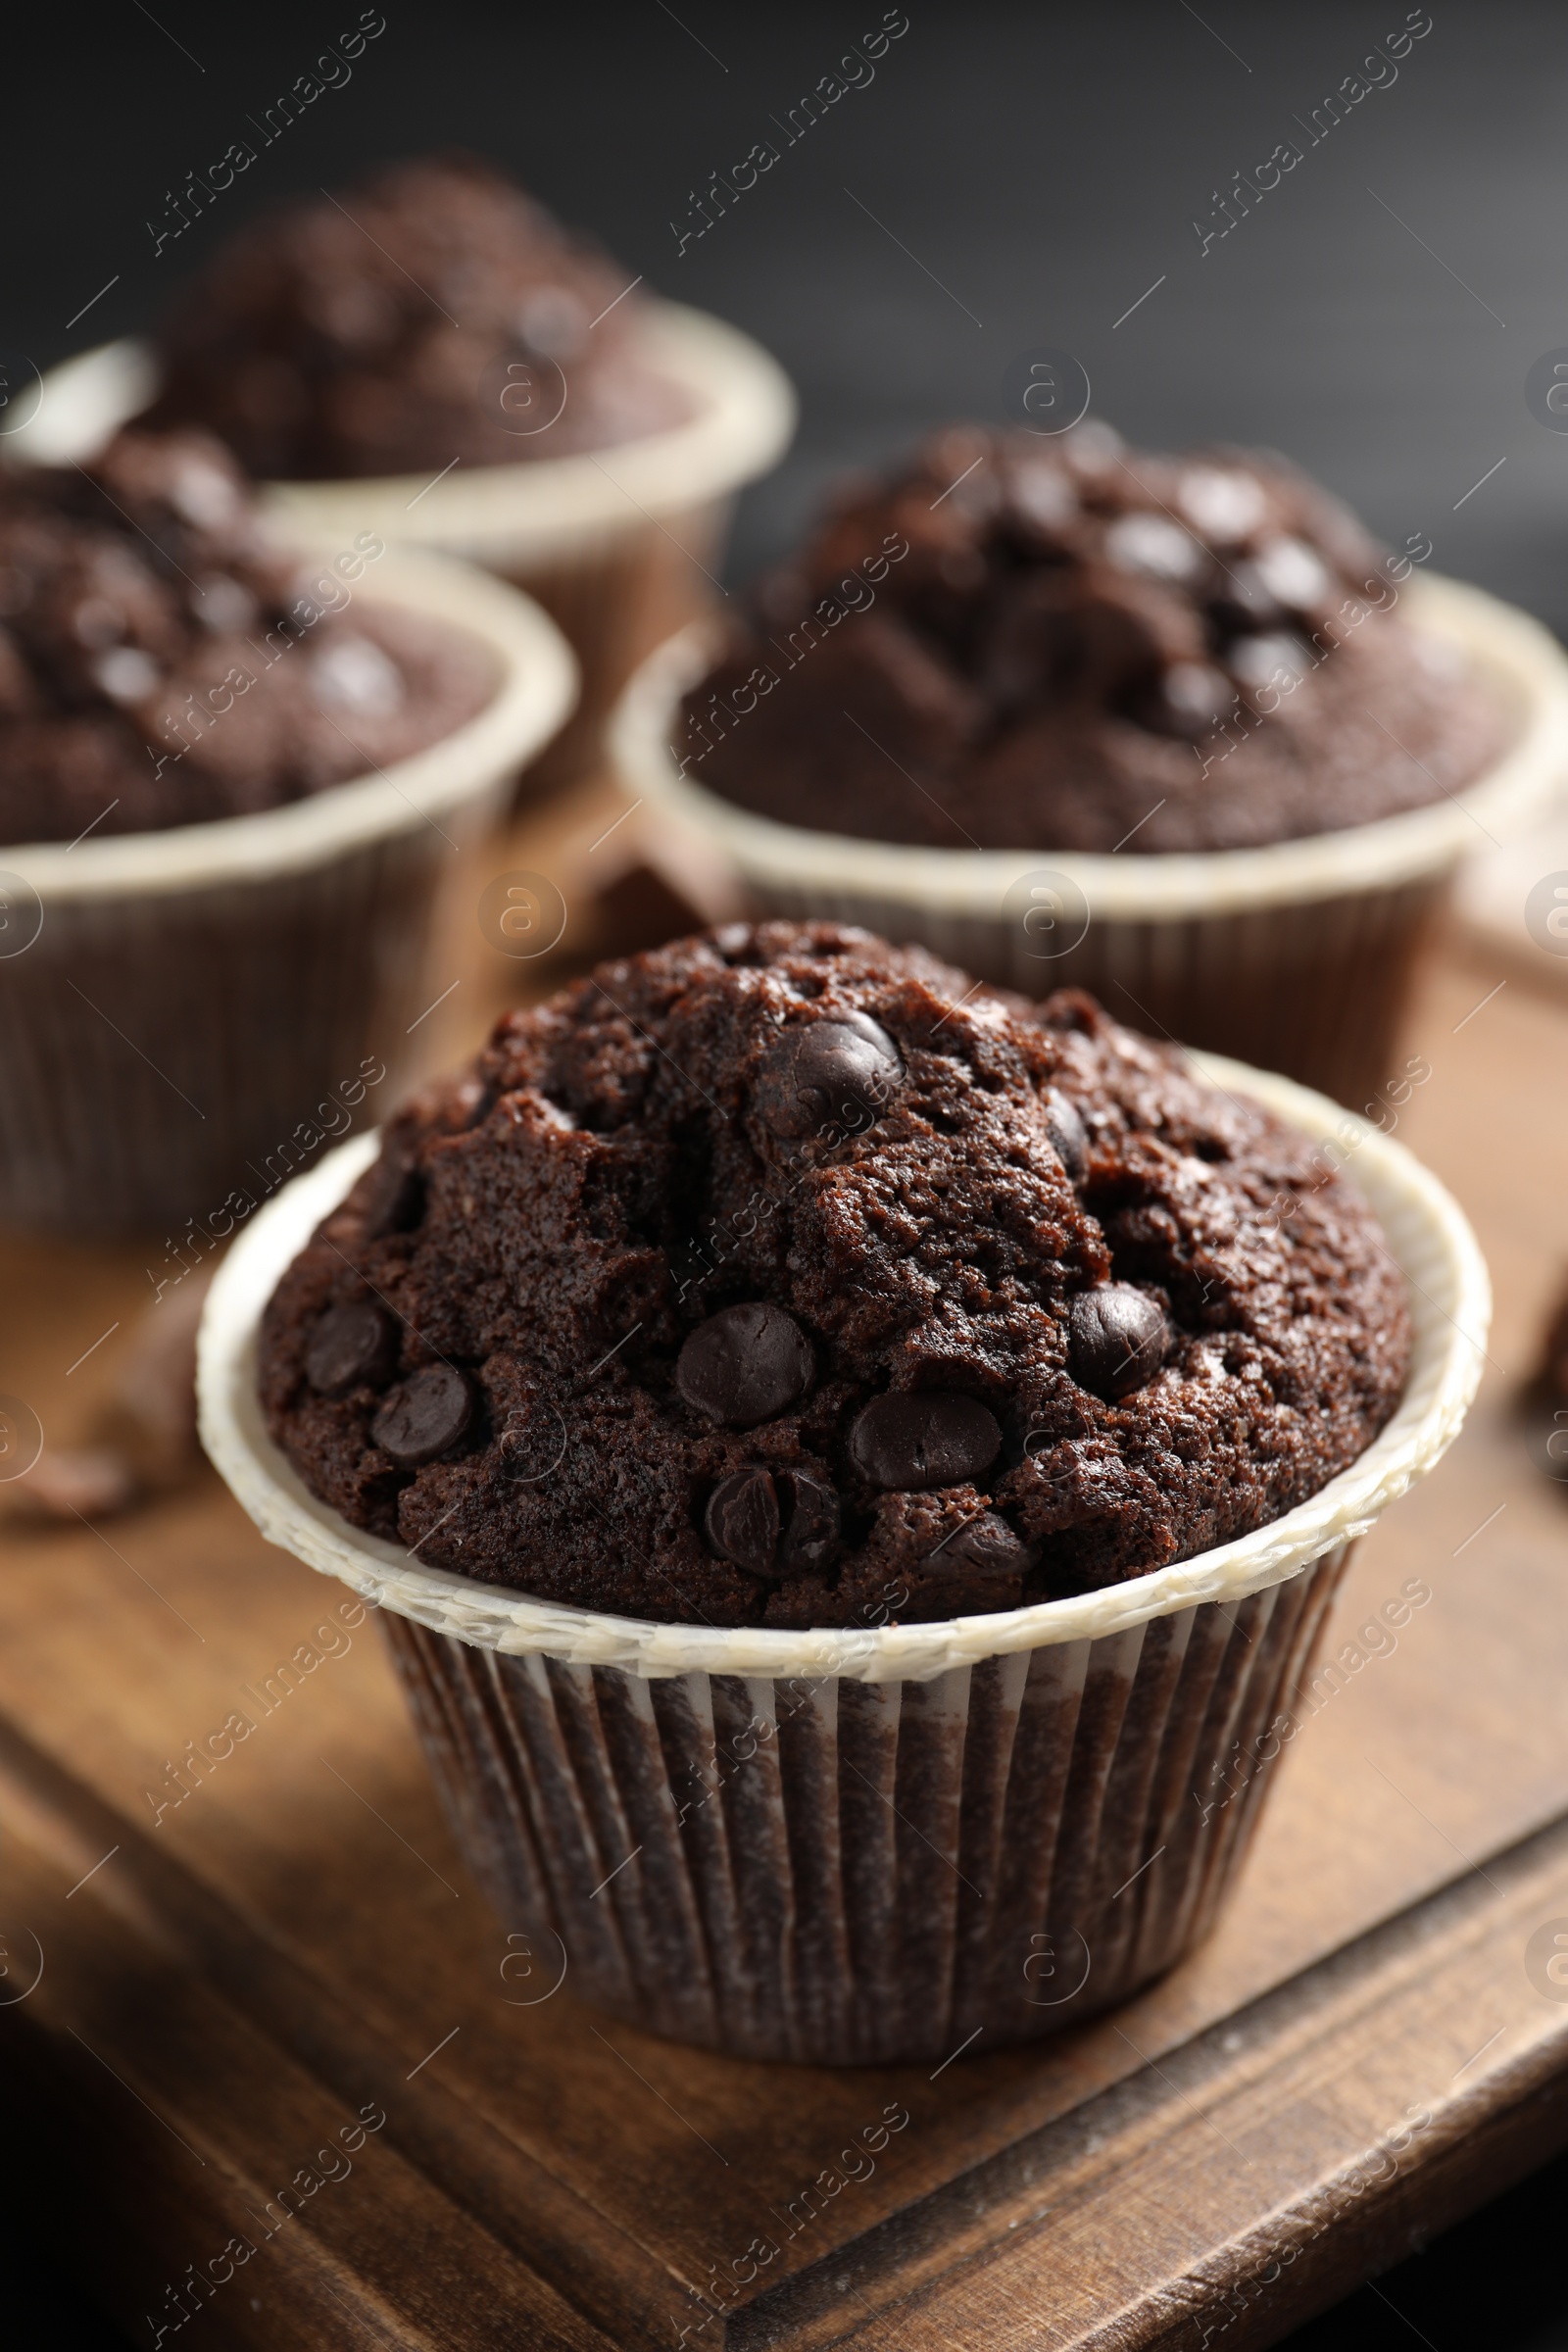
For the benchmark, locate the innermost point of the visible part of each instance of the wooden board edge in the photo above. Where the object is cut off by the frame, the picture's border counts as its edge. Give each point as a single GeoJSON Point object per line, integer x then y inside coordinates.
{"type": "Point", "coordinates": [1330, 2079]}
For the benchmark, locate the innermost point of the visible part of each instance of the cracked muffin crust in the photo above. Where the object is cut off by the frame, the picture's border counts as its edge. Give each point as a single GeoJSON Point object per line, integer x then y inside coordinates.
{"type": "Point", "coordinates": [782, 1277]}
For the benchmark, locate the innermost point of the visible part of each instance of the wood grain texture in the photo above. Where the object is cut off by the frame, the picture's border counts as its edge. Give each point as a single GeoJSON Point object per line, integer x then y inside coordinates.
{"type": "Point", "coordinates": [245, 1971]}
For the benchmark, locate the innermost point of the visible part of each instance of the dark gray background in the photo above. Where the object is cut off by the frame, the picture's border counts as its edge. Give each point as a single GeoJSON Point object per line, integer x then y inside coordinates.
{"type": "Point", "coordinates": [1047, 166]}
{"type": "Point", "coordinates": [1375, 316]}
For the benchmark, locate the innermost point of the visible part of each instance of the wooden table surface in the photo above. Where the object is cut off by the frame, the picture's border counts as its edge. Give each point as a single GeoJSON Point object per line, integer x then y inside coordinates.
{"type": "Point", "coordinates": [287, 1978]}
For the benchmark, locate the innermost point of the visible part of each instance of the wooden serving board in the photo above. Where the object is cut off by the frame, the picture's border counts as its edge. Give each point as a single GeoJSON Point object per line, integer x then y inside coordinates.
{"type": "Point", "coordinates": [271, 2035]}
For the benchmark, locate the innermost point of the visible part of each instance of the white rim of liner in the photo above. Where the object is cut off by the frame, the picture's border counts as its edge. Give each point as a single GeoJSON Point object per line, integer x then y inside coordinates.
{"type": "Point", "coordinates": [1427, 1232]}
{"type": "Point", "coordinates": [744, 417]}
{"type": "Point", "coordinates": [1513, 650]}
{"type": "Point", "coordinates": [535, 692]}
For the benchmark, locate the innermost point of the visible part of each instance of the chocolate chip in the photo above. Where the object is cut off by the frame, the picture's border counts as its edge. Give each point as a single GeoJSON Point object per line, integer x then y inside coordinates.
{"type": "Point", "coordinates": [1125, 631]}
{"type": "Point", "coordinates": [811, 1529]}
{"type": "Point", "coordinates": [1295, 576]}
{"type": "Point", "coordinates": [1190, 698]}
{"type": "Point", "coordinates": [832, 1073]}
{"type": "Point", "coordinates": [1242, 600]}
{"type": "Point", "coordinates": [1120, 1338]}
{"type": "Point", "coordinates": [742, 1521]}
{"type": "Point", "coordinates": [928, 1438]}
{"type": "Point", "coordinates": [980, 1566]}
{"type": "Point", "coordinates": [745, 1364]}
{"type": "Point", "coordinates": [424, 1416]}
{"type": "Point", "coordinates": [352, 1346]}
{"type": "Point", "coordinates": [1283, 579]}
{"type": "Point", "coordinates": [395, 1198]}
{"type": "Point", "coordinates": [1069, 1137]}
{"type": "Point", "coordinates": [987, 1543]}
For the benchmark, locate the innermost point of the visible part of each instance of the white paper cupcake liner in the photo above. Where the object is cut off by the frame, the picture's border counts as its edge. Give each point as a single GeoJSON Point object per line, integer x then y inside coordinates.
{"type": "Point", "coordinates": [196, 1001]}
{"type": "Point", "coordinates": [1296, 955]}
{"type": "Point", "coordinates": [1512, 905]}
{"type": "Point", "coordinates": [865, 1845]}
{"type": "Point", "coordinates": [608, 541]}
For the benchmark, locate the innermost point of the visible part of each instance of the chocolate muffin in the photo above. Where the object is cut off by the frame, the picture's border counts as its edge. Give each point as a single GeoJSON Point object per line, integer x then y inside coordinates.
{"type": "Point", "coordinates": [1548, 1382]}
{"type": "Point", "coordinates": [161, 663]}
{"type": "Point", "coordinates": [783, 1277]}
{"type": "Point", "coordinates": [432, 313]}
{"type": "Point", "coordinates": [1021, 643]}
{"type": "Point", "coordinates": [1543, 1399]}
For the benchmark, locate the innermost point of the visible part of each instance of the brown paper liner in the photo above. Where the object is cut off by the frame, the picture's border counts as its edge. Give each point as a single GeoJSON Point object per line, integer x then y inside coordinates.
{"type": "Point", "coordinates": [203, 1006]}
{"type": "Point", "coordinates": [1292, 956]}
{"type": "Point", "coordinates": [160, 1050]}
{"type": "Point", "coordinates": [1317, 990]}
{"type": "Point", "coordinates": [614, 600]}
{"type": "Point", "coordinates": [839, 1872]}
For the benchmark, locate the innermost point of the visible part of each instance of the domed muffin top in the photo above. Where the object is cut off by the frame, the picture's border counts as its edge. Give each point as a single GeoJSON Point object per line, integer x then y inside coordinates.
{"type": "Point", "coordinates": [1016, 642]}
{"type": "Point", "coordinates": [782, 1277]}
{"type": "Point", "coordinates": [431, 313]}
{"type": "Point", "coordinates": [162, 664]}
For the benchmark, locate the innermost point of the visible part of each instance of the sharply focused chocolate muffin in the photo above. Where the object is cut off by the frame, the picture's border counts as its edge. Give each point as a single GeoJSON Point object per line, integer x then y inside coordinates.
{"type": "Point", "coordinates": [1016, 642]}
{"type": "Point", "coordinates": [429, 313]}
{"type": "Point", "coordinates": [161, 663]}
{"type": "Point", "coordinates": [784, 1276]}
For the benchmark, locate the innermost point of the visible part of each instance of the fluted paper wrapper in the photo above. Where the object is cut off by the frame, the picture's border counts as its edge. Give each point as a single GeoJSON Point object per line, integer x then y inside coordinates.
{"type": "Point", "coordinates": [1296, 956]}
{"type": "Point", "coordinates": [611, 600]}
{"type": "Point", "coordinates": [847, 1872]}
{"type": "Point", "coordinates": [197, 1000]}
{"type": "Point", "coordinates": [613, 542]}
{"type": "Point", "coordinates": [866, 1845]}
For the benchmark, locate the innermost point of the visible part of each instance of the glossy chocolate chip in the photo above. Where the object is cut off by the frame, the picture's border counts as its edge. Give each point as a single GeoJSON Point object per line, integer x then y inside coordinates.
{"type": "Point", "coordinates": [989, 1542]}
{"type": "Point", "coordinates": [1068, 1135]}
{"type": "Point", "coordinates": [424, 1416]}
{"type": "Point", "coordinates": [824, 1075]}
{"type": "Point", "coordinates": [1120, 1338]}
{"type": "Point", "coordinates": [352, 1346]}
{"type": "Point", "coordinates": [395, 1200]}
{"type": "Point", "coordinates": [745, 1364]}
{"type": "Point", "coordinates": [1190, 698]}
{"type": "Point", "coordinates": [742, 1521]}
{"type": "Point", "coordinates": [812, 1525]}
{"type": "Point", "coordinates": [927, 1438]}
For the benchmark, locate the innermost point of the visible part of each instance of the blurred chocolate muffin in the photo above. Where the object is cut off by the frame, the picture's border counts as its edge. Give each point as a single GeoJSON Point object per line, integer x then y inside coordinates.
{"type": "Point", "coordinates": [1014, 642]}
{"type": "Point", "coordinates": [161, 663]}
{"type": "Point", "coordinates": [1548, 1383]}
{"type": "Point", "coordinates": [1543, 1402]}
{"type": "Point", "coordinates": [432, 314]}
{"type": "Point", "coordinates": [783, 1277]}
